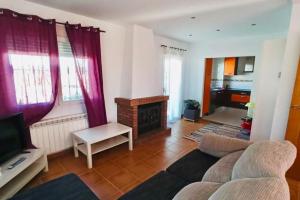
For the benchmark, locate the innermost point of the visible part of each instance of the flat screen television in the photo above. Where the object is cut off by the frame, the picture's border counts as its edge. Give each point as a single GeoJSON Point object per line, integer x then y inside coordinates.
{"type": "Point", "coordinates": [12, 136]}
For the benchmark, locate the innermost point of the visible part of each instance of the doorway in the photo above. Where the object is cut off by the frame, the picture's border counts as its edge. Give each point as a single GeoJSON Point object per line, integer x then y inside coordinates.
{"type": "Point", "coordinates": [227, 88]}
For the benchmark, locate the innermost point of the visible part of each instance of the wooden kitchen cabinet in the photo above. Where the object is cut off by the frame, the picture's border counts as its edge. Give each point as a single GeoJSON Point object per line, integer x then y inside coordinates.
{"type": "Point", "coordinates": [240, 98]}
{"type": "Point", "coordinates": [230, 65]}
{"type": "Point", "coordinates": [236, 98]}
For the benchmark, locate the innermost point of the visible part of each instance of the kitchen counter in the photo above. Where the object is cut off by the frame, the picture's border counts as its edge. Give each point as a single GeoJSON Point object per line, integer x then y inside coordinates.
{"type": "Point", "coordinates": [230, 89]}
{"type": "Point", "coordinates": [230, 97]}
{"type": "Point", "coordinates": [237, 89]}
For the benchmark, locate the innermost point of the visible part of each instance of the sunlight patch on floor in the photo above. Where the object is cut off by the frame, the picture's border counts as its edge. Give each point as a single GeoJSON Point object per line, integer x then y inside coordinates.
{"type": "Point", "coordinates": [226, 115]}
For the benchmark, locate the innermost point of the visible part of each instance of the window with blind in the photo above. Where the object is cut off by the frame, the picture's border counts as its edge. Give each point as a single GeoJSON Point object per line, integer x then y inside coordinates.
{"type": "Point", "coordinates": [70, 86]}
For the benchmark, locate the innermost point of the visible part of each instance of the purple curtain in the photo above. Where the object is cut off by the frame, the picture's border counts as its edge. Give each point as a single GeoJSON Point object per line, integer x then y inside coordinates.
{"type": "Point", "coordinates": [85, 44]}
{"type": "Point", "coordinates": [28, 66]}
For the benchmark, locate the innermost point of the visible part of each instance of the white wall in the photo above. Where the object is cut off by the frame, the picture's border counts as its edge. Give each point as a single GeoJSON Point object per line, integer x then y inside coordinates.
{"type": "Point", "coordinates": [288, 75]}
{"type": "Point", "coordinates": [146, 74]}
{"type": "Point", "coordinates": [266, 93]}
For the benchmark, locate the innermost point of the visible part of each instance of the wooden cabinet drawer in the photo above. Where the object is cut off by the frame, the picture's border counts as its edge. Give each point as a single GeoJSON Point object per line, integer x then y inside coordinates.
{"type": "Point", "coordinates": [240, 98]}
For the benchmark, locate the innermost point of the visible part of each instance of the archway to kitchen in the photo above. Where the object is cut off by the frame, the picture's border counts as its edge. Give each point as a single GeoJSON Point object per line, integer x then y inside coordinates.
{"type": "Point", "coordinates": [228, 82]}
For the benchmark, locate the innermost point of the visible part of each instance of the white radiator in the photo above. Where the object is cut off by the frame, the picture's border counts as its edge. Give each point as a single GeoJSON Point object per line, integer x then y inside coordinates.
{"type": "Point", "coordinates": [54, 135]}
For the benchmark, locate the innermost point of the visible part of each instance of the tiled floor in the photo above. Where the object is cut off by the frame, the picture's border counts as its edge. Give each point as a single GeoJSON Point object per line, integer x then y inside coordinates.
{"type": "Point", "coordinates": [117, 170]}
{"type": "Point", "coordinates": [226, 115]}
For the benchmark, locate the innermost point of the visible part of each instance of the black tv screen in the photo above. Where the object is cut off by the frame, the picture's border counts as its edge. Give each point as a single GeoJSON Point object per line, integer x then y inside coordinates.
{"type": "Point", "coordinates": [12, 137]}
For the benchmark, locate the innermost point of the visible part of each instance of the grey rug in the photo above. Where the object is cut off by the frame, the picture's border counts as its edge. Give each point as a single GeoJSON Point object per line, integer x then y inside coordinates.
{"type": "Point", "coordinates": [220, 129]}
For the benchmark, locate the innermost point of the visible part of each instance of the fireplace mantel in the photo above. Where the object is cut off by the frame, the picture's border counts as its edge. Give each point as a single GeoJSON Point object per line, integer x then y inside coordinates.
{"type": "Point", "coordinates": [128, 111]}
{"type": "Point", "coordinates": [141, 101]}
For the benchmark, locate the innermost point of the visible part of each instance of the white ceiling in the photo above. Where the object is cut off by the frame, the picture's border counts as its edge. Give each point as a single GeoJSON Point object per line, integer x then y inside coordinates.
{"type": "Point", "coordinates": [172, 17]}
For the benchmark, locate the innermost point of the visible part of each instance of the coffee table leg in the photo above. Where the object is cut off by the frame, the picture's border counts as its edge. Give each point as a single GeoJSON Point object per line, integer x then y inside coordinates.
{"type": "Point", "coordinates": [89, 156]}
{"type": "Point", "coordinates": [75, 146]}
{"type": "Point", "coordinates": [130, 140]}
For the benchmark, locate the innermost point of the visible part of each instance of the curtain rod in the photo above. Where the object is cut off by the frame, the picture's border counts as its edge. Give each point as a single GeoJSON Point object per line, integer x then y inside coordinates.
{"type": "Point", "coordinates": [30, 16]}
{"type": "Point", "coordinates": [66, 23]}
{"type": "Point", "coordinates": [173, 47]}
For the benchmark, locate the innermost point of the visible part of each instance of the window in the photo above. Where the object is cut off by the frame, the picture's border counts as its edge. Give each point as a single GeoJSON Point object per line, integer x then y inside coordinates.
{"type": "Point", "coordinates": [69, 82]}
{"type": "Point", "coordinates": [32, 78]}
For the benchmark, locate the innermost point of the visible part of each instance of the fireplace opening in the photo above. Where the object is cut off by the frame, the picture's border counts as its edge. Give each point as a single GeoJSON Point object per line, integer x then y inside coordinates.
{"type": "Point", "coordinates": [149, 117]}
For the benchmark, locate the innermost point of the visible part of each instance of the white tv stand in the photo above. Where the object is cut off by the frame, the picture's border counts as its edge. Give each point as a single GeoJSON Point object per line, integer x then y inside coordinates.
{"type": "Point", "coordinates": [12, 180]}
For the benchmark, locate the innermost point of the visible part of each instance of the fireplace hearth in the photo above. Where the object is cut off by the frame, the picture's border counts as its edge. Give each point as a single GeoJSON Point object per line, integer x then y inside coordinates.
{"type": "Point", "coordinates": [143, 114]}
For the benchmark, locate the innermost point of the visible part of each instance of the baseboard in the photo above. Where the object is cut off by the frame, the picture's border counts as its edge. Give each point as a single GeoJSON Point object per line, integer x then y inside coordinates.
{"type": "Point", "coordinates": [60, 153]}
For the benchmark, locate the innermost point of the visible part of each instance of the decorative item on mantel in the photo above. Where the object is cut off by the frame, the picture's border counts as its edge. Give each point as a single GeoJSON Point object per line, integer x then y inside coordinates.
{"type": "Point", "coordinates": [147, 114]}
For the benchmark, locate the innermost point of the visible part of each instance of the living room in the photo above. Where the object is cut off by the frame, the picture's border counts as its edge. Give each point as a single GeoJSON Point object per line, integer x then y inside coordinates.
{"type": "Point", "coordinates": [109, 67]}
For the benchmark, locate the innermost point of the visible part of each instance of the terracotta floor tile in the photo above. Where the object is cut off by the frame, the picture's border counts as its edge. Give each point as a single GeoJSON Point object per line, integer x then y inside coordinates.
{"type": "Point", "coordinates": [100, 157]}
{"type": "Point", "coordinates": [142, 170]}
{"type": "Point", "coordinates": [108, 169]}
{"type": "Point", "coordinates": [75, 165]}
{"type": "Point", "coordinates": [123, 179]}
{"type": "Point", "coordinates": [131, 186]}
{"type": "Point", "coordinates": [91, 178]}
{"type": "Point", "coordinates": [113, 196]}
{"type": "Point", "coordinates": [153, 149]}
{"type": "Point", "coordinates": [126, 161]}
{"type": "Point", "coordinates": [104, 189]}
{"type": "Point", "coordinates": [176, 148]}
{"type": "Point", "coordinates": [139, 155]}
{"type": "Point", "coordinates": [54, 168]}
{"type": "Point", "coordinates": [157, 162]}
{"type": "Point", "coordinates": [166, 154]}
{"type": "Point", "coordinates": [49, 177]}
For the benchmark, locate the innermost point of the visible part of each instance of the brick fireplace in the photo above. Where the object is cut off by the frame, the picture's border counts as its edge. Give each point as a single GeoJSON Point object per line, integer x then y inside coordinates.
{"type": "Point", "coordinates": [143, 114]}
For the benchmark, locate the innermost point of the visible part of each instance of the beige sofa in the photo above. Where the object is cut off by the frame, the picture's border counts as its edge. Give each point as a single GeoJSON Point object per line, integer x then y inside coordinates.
{"type": "Point", "coordinates": [245, 171]}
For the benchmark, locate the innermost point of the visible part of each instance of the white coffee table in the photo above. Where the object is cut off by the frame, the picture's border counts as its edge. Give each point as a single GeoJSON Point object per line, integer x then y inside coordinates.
{"type": "Point", "coordinates": [94, 140]}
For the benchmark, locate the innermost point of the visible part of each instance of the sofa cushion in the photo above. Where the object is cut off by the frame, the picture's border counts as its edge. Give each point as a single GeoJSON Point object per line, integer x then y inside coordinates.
{"type": "Point", "coordinates": [197, 191]}
{"type": "Point", "coordinates": [221, 171]}
{"type": "Point", "coordinates": [265, 159]}
{"type": "Point", "coordinates": [219, 145]}
{"type": "Point", "coordinates": [192, 166]}
{"type": "Point", "coordinates": [253, 188]}
{"type": "Point", "coordinates": [162, 186]}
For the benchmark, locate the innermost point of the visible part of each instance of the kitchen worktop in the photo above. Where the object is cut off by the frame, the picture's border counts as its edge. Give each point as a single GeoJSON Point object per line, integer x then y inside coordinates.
{"type": "Point", "coordinates": [230, 89]}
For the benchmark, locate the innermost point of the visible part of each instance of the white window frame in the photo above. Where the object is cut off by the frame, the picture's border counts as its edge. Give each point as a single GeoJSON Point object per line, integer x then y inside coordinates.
{"type": "Point", "coordinates": [60, 100]}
